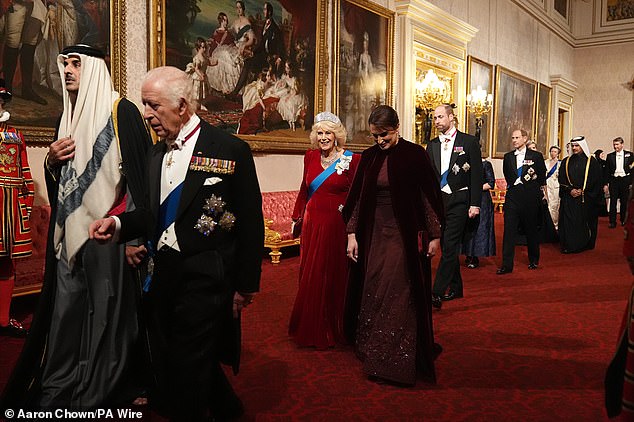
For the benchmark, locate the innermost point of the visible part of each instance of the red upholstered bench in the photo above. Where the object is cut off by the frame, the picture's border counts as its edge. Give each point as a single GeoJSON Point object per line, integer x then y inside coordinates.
{"type": "Point", "coordinates": [277, 208]}
{"type": "Point", "coordinates": [29, 272]}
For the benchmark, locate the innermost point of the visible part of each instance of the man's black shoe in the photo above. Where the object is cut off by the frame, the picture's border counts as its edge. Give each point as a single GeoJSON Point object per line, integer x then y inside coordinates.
{"type": "Point", "coordinates": [611, 225]}
{"type": "Point", "coordinates": [436, 301]}
{"type": "Point", "coordinates": [473, 263]}
{"type": "Point", "coordinates": [13, 329]}
{"type": "Point", "coordinates": [503, 270]}
{"type": "Point", "coordinates": [451, 295]}
{"type": "Point", "coordinates": [532, 266]}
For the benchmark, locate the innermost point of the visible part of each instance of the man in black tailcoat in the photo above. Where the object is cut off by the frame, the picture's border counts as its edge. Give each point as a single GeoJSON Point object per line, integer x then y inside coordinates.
{"type": "Point", "coordinates": [205, 225]}
{"type": "Point", "coordinates": [458, 164]}
{"type": "Point", "coordinates": [618, 167]}
{"type": "Point", "coordinates": [525, 174]}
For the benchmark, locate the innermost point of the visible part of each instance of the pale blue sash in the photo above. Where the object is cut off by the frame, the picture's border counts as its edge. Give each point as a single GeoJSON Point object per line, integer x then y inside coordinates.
{"type": "Point", "coordinates": [317, 181]}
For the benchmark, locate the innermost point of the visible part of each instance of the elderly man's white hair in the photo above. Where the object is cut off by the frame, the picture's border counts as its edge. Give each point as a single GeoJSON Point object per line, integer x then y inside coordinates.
{"type": "Point", "coordinates": [175, 83]}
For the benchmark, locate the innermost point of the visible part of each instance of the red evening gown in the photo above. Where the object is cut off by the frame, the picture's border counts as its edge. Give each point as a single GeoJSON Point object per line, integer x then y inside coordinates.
{"type": "Point", "coordinates": [317, 317]}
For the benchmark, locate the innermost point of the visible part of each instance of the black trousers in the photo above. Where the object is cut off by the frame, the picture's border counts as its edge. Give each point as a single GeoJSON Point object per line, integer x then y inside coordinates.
{"type": "Point", "coordinates": [189, 309]}
{"type": "Point", "coordinates": [521, 208]}
{"type": "Point", "coordinates": [456, 215]}
{"type": "Point", "coordinates": [619, 190]}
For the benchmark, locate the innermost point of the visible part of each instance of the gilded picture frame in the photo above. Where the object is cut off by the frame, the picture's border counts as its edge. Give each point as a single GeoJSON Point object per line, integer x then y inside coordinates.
{"type": "Point", "coordinates": [363, 65]}
{"type": "Point", "coordinates": [613, 15]}
{"type": "Point", "coordinates": [302, 28]}
{"type": "Point", "coordinates": [543, 118]}
{"type": "Point", "coordinates": [102, 25]}
{"type": "Point", "coordinates": [514, 108]}
{"type": "Point", "coordinates": [480, 73]}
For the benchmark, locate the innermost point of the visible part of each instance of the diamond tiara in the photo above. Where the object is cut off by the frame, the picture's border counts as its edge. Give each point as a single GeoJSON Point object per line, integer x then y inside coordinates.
{"type": "Point", "coordinates": [326, 116]}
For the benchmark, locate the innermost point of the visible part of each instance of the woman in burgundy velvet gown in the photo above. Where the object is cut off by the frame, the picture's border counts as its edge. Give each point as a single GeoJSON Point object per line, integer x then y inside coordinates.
{"type": "Point", "coordinates": [393, 213]}
{"type": "Point", "coordinates": [317, 317]}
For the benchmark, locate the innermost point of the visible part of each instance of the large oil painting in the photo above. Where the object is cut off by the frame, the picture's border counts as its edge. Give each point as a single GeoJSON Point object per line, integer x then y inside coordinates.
{"type": "Point", "coordinates": [33, 34]}
{"type": "Point", "coordinates": [480, 74]}
{"type": "Point", "coordinates": [542, 118]}
{"type": "Point", "coordinates": [252, 63]}
{"type": "Point", "coordinates": [610, 15]}
{"type": "Point", "coordinates": [619, 10]}
{"type": "Point", "coordinates": [363, 69]}
{"type": "Point", "coordinates": [514, 108]}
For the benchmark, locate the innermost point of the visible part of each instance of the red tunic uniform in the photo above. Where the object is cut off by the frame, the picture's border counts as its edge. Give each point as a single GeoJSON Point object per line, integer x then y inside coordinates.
{"type": "Point", "coordinates": [16, 192]}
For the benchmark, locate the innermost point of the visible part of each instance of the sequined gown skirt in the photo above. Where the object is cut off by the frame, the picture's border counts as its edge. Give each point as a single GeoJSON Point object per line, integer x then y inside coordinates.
{"type": "Point", "coordinates": [386, 336]}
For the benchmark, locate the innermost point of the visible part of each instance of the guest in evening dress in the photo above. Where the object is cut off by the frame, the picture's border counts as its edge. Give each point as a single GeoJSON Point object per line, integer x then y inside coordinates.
{"type": "Point", "coordinates": [603, 206]}
{"type": "Point", "coordinates": [197, 73]}
{"type": "Point", "coordinates": [225, 61]}
{"type": "Point", "coordinates": [317, 317]}
{"type": "Point", "coordinates": [552, 184]}
{"type": "Point", "coordinates": [482, 243]}
{"type": "Point", "coordinates": [393, 214]}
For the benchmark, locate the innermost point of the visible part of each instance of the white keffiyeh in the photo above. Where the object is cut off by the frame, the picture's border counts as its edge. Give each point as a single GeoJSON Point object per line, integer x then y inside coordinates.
{"type": "Point", "coordinates": [581, 140]}
{"type": "Point", "coordinates": [89, 183]}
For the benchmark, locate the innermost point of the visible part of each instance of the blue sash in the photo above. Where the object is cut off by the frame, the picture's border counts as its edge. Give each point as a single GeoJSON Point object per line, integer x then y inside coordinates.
{"type": "Point", "coordinates": [167, 215]}
{"type": "Point", "coordinates": [150, 265]}
{"type": "Point", "coordinates": [443, 179]}
{"type": "Point", "coordinates": [317, 181]}
{"type": "Point", "coordinates": [519, 171]}
{"type": "Point", "coordinates": [167, 211]}
{"type": "Point", "coordinates": [552, 170]}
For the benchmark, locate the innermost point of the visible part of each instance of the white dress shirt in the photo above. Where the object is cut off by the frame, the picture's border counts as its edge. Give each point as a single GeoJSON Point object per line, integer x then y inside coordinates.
{"type": "Point", "coordinates": [619, 172]}
{"type": "Point", "coordinates": [174, 170]}
{"type": "Point", "coordinates": [446, 148]}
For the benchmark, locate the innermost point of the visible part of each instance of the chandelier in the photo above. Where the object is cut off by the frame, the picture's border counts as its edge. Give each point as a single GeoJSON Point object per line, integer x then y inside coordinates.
{"type": "Point", "coordinates": [431, 91]}
{"type": "Point", "coordinates": [479, 102]}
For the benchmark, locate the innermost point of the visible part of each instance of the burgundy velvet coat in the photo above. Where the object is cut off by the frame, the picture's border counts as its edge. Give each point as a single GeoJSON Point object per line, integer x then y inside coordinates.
{"type": "Point", "coordinates": [412, 183]}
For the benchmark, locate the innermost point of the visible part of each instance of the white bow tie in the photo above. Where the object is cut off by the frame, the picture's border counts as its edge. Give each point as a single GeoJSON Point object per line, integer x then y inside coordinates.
{"type": "Point", "coordinates": [177, 144]}
{"type": "Point", "coordinates": [517, 152]}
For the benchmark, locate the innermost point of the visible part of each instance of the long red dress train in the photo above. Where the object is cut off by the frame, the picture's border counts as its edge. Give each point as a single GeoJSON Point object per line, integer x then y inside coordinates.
{"type": "Point", "coordinates": [317, 316]}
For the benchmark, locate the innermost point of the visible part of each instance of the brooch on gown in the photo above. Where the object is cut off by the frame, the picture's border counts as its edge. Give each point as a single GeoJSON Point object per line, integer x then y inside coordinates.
{"type": "Point", "coordinates": [343, 164]}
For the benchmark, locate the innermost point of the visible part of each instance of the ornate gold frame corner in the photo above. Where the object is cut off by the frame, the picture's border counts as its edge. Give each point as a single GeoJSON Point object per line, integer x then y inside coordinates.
{"type": "Point", "coordinates": [41, 136]}
{"type": "Point", "coordinates": [258, 143]}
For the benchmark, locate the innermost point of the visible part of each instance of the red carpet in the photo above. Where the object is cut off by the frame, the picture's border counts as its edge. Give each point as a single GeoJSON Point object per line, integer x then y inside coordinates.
{"type": "Point", "coordinates": [526, 346]}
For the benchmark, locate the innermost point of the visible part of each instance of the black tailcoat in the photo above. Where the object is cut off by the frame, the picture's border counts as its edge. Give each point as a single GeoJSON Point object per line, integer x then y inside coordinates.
{"type": "Point", "coordinates": [465, 180]}
{"type": "Point", "coordinates": [523, 204]}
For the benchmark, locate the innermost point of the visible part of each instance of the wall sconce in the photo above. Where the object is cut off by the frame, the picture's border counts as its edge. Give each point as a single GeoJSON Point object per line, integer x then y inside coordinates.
{"type": "Point", "coordinates": [479, 103]}
{"type": "Point", "coordinates": [430, 93]}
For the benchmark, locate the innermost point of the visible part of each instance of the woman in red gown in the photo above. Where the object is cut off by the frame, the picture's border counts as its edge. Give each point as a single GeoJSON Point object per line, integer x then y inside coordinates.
{"type": "Point", "coordinates": [317, 317]}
